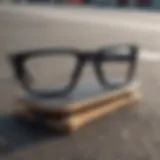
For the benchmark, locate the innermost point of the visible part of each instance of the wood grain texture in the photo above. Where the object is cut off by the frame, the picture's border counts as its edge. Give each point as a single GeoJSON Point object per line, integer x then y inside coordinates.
{"type": "Point", "coordinates": [77, 114]}
{"type": "Point", "coordinates": [76, 121]}
{"type": "Point", "coordinates": [47, 105]}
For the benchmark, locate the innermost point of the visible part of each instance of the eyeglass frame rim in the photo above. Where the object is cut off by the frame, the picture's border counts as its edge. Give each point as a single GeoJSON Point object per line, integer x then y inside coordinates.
{"type": "Point", "coordinates": [18, 60]}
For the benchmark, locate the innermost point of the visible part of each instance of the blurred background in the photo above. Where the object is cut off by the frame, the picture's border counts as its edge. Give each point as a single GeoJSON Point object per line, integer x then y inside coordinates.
{"type": "Point", "coordinates": [107, 3]}
{"type": "Point", "coordinates": [132, 133]}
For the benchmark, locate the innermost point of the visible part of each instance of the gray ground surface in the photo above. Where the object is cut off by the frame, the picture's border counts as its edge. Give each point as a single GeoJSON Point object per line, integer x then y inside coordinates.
{"type": "Point", "coordinates": [131, 133]}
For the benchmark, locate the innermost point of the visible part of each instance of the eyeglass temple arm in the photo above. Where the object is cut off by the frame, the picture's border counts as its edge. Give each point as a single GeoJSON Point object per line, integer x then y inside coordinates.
{"type": "Point", "coordinates": [132, 56]}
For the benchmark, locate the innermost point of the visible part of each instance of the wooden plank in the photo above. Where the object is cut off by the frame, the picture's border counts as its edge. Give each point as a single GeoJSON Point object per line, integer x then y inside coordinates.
{"type": "Point", "coordinates": [26, 112]}
{"type": "Point", "coordinates": [73, 105]}
{"type": "Point", "coordinates": [76, 121]}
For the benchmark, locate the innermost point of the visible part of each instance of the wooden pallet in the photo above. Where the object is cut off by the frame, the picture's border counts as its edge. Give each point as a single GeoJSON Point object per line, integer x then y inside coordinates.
{"type": "Point", "coordinates": [73, 114]}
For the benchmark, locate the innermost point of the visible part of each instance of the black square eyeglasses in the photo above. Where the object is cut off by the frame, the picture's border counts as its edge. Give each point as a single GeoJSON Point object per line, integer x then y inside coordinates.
{"type": "Point", "coordinates": [62, 57]}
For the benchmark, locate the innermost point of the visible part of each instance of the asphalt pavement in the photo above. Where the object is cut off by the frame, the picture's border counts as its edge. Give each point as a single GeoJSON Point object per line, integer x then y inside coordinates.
{"type": "Point", "coordinates": [131, 133]}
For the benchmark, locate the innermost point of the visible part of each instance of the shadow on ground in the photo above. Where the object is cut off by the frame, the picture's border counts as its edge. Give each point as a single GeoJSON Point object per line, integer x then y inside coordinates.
{"type": "Point", "coordinates": [16, 133]}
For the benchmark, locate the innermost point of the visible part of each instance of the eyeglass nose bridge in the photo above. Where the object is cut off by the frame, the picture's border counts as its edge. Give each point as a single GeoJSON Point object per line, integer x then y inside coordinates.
{"type": "Point", "coordinates": [88, 56]}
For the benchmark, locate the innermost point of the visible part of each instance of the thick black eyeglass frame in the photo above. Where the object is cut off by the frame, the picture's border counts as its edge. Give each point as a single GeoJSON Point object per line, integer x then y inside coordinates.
{"type": "Point", "coordinates": [97, 57]}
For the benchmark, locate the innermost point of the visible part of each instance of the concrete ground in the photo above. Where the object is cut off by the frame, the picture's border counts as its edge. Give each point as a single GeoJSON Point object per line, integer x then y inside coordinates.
{"type": "Point", "coordinates": [131, 133]}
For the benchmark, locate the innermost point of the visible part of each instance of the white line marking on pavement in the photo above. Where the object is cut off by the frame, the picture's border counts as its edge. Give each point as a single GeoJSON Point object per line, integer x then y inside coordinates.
{"type": "Point", "coordinates": [149, 56]}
